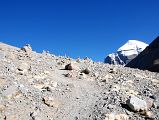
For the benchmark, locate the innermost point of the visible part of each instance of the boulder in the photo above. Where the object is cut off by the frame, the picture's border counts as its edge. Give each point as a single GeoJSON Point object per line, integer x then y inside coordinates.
{"type": "Point", "coordinates": [69, 66]}
{"type": "Point", "coordinates": [86, 71]}
{"type": "Point", "coordinates": [27, 48]}
{"type": "Point", "coordinates": [136, 104]}
{"type": "Point", "coordinates": [23, 67]}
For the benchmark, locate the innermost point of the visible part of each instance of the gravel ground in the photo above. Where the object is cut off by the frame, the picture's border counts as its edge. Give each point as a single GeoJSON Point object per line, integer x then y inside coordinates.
{"type": "Point", "coordinates": [42, 86]}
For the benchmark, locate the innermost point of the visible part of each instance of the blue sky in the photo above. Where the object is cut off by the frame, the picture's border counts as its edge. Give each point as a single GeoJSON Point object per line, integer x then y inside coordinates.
{"type": "Point", "coordinates": [78, 28]}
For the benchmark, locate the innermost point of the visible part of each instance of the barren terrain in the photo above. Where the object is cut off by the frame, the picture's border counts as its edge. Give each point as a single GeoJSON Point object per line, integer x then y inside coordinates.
{"type": "Point", "coordinates": [42, 86]}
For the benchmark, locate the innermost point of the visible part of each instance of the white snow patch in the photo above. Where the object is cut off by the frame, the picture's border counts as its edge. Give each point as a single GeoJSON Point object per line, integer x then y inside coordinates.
{"type": "Point", "coordinates": [132, 47]}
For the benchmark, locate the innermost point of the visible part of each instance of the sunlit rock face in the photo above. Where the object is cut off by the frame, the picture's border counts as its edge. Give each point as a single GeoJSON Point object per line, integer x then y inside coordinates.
{"type": "Point", "coordinates": [126, 53]}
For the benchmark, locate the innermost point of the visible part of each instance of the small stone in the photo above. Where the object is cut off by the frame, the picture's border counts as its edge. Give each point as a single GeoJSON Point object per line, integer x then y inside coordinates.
{"type": "Point", "coordinates": [68, 75]}
{"type": "Point", "coordinates": [112, 70]}
{"type": "Point", "coordinates": [137, 104]}
{"type": "Point", "coordinates": [2, 107]}
{"type": "Point", "coordinates": [113, 116]}
{"type": "Point", "coordinates": [149, 115]}
{"type": "Point", "coordinates": [27, 48]}
{"type": "Point", "coordinates": [86, 71]}
{"type": "Point", "coordinates": [156, 105]}
{"type": "Point", "coordinates": [111, 106]}
{"type": "Point", "coordinates": [39, 86]}
{"type": "Point", "coordinates": [3, 117]}
{"type": "Point", "coordinates": [108, 76]}
{"type": "Point", "coordinates": [54, 84]}
{"type": "Point", "coordinates": [153, 97]}
{"type": "Point", "coordinates": [72, 66]}
{"type": "Point", "coordinates": [121, 117]}
{"type": "Point", "coordinates": [11, 117]}
{"type": "Point", "coordinates": [82, 76]}
{"type": "Point", "coordinates": [46, 72]}
{"type": "Point", "coordinates": [2, 55]}
{"type": "Point", "coordinates": [51, 102]}
{"type": "Point", "coordinates": [2, 82]}
{"type": "Point", "coordinates": [149, 103]}
{"type": "Point", "coordinates": [34, 115]}
{"type": "Point", "coordinates": [78, 60]}
{"type": "Point", "coordinates": [110, 117]}
{"type": "Point", "coordinates": [69, 67]}
{"type": "Point", "coordinates": [23, 67]}
{"type": "Point", "coordinates": [47, 88]}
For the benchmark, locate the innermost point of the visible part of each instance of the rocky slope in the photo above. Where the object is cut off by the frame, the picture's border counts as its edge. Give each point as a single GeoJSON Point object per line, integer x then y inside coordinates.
{"type": "Point", "coordinates": [126, 53]}
{"type": "Point", "coordinates": [42, 86]}
{"type": "Point", "coordinates": [148, 59]}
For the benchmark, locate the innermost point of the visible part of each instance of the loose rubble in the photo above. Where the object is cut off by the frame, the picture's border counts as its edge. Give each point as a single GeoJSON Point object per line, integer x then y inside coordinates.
{"type": "Point", "coordinates": [42, 86]}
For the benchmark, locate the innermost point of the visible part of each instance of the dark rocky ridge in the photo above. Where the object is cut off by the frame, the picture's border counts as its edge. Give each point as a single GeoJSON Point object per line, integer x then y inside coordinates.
{"type": "Point", "coordinates": [148, 59]}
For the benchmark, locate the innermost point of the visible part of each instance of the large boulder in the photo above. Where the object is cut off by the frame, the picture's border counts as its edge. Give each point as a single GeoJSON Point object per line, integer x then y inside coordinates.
{"type": "Point", "coordinates": [137, 104]}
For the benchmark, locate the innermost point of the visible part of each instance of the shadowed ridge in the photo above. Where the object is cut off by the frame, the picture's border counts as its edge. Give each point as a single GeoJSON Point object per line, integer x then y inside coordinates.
{"type": "Point", "coordinates": [148, 59]}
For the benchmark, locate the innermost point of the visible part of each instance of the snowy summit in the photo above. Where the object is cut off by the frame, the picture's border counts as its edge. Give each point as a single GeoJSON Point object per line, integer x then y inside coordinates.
{"type": "Point", "coordinates": [132, 47]}
{"type": "Point", "coordinates": [126, 53]}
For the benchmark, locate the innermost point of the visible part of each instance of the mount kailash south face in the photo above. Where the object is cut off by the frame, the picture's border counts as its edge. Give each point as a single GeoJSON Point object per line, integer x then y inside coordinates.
{"type": "Point", "coordinates": [126, 53]}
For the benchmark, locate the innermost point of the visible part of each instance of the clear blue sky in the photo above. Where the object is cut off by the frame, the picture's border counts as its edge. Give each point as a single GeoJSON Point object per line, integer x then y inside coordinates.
{"type": "Point", "coordinates": [79, 28]}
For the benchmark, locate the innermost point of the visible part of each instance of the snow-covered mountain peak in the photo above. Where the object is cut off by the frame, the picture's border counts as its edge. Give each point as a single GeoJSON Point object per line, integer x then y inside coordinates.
{"type": "Point", "coordinates": [126, 53]}
{"type": "Point", "coordinates": [132, 47]}
{"type": "Point", "coordinates": [133, 44]}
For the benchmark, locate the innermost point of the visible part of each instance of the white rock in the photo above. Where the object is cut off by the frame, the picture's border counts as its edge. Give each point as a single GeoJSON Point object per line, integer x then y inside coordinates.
{"type": "Point", "coordinates": [27, 48]}
{"type": "Point", "coordinates": [137, 104]}
{"type": "Point", "coordinates": [71, 66]}
{"type": "Point", "coordinates": [113, 116]}
{"type": "Point", "coordinates": [51, 102]}
{"type": "Point", "coordinates": [11, 92]}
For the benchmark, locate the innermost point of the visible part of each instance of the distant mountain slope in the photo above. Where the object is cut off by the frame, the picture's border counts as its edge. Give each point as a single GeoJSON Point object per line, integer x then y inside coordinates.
{"type": "Point", "coordinates": [126, 53]}
{"type": "Point", "coordinates": [148, 59]}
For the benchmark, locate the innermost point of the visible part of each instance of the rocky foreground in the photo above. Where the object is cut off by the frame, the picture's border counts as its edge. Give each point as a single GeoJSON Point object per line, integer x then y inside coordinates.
{"type": "Point", "coordinates": [36, 86]}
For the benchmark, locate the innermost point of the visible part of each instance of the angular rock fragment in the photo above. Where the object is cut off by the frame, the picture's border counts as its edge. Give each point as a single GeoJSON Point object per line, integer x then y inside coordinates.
{"type": "Point", "coordinates": [51, 102]}
{"type": "Point", "coordinates": [2, 55]}
{"type": "Point", "coordinates": [113, 116]}
{"type": "Point", "coordinates": [149, 103]}
{"type": "Point", "coordinates": [27, 48]}
{"type": "Point", "coordinates": [23, 67]}
{"type": "Point", "coordinates": [86, 71]}
{"type": "Point", "coordinates": [149, 115]}
{"type": "Point", "coordinates": [2, 107]}
{"type": "Point", "coordinates": [112, 70]}
{"type": "Point", "coordinates": [136, 104]}
{"type": "Point", "coordinates": [68, 75]}
{"type": "Point", "coordinates": [69, 67]}
{"type": "Point", "coordinates": [82, 76]}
